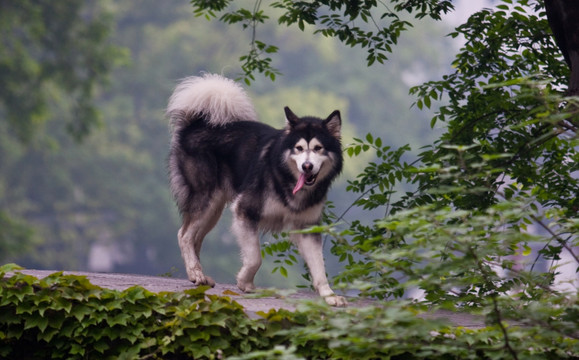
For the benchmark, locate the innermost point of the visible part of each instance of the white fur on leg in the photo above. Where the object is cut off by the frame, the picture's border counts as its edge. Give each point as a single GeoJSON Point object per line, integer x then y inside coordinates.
{"type": "Point", "coordinates": [310, 247]}
{"type": "Point", "coordinates": [195, 227]}
{"type": "Point", "coordinates": [248, 241]}
{"type": "Point", "coordinates": [192, 264]}
{"type": "Point", "coordinates": [335, 300]}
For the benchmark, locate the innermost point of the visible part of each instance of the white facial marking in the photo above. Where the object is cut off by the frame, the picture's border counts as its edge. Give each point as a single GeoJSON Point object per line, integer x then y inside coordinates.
{"type": "Point", "coordinates": [312, 151]}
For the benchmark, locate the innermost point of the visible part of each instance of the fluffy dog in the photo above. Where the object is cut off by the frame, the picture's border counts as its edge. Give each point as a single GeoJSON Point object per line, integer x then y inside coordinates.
{"type": "Point", "coordinates": [274, 179]}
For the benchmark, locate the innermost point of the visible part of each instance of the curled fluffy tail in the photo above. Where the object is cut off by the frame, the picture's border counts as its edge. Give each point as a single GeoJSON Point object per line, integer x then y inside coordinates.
{"type": "Point", "coordinates": [210, 97]}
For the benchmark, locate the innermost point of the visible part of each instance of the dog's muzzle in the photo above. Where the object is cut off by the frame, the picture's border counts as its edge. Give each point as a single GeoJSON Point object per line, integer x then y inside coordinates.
{"type": "Point", "coordinates": [306, 178]}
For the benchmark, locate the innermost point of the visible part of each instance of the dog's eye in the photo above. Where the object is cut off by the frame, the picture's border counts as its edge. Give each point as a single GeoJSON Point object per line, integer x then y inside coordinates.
{"type": "Point", "coordinates": [299, 148]}
{"type": "Point", "coordinates": [317, 148]}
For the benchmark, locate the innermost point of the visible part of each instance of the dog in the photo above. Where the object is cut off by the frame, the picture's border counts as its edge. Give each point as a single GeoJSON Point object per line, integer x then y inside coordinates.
{"type": "Point", "coordinates": [273, 179]}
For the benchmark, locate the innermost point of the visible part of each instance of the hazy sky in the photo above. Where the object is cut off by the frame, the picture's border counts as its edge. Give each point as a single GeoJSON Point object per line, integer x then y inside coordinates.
{"type": "Point", "coordinates": [464, 8]}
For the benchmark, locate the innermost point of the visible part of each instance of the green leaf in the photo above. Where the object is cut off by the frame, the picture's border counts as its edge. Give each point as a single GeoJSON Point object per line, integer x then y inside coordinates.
{"type": "Point", "coordinates": [6, 268]}
{"type": "Point", "coordinates": [527, 250]}
{"type": "Point", "coordinates": [419, 104]}
{"type": "Point", "coordinates": [119, 319]}
{"type": "Point", "coordinates": [79, 311]}
{"type": "Point", "coordinates": [36, 321]}
{"type": "Point", "coordinates": [433, 122]}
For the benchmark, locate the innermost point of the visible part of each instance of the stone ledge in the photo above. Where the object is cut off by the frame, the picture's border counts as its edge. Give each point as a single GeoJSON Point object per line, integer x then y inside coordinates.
{"type": "Point", "coordinates": [252, 305]}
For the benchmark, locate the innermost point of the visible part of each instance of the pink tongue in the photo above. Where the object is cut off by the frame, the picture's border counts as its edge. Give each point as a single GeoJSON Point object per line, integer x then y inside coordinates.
{"type": "Point", "coordinates": [300, 183]}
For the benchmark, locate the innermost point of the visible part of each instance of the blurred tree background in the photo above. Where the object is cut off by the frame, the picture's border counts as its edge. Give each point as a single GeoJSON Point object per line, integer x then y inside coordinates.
{"type": "Point", "coordinates": [84, 139]}
{"type": "Point", "coordinates": [482, 220]}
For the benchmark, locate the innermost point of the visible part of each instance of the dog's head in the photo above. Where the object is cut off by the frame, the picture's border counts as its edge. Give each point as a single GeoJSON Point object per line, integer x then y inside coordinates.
{"type": "Point", "coordinates": [314, 150]}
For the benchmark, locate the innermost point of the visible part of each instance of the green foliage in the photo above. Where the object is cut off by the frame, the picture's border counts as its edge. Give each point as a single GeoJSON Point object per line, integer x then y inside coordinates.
{"type": "Point", "coordinates": [494, 204]}
{"type": "Point", "coordinates": [457, 256]}
{"type": "Point", "coordinates": [257, 60]}
{"type": "Point", "coordinates": [66, 317]}
{"type": "Point", "coordinates": [15, 236]}
{"type": "Point", "coordinates": [399, 331]}
{"type": "Point", "coordinates": [54, 58]}
{"type": "Point", "coordinates": [254, 60]}
{"type": "Point", "coordinates": [382, 26]}
{"type": "Point", "coordinates": [285, 253]}
{"type": "Point", "coordinates": [503, 98]}
{"type": "Point", "coordinates": [376, 183]}
{"type": "Point", "coordinates": [47, 48]}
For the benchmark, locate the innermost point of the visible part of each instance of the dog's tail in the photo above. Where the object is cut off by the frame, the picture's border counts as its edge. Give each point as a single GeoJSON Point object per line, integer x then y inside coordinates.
{"type": "Point", "coordinates": [210, 97]}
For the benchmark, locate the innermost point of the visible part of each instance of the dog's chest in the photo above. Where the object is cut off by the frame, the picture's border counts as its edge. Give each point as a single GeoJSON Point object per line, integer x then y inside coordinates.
{"type": "Point", "coordinates": [276, 216]}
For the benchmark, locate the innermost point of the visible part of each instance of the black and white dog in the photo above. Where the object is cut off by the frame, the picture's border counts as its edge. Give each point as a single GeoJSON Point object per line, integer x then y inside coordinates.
{"type": "Point", "coordinates": [274, 179]}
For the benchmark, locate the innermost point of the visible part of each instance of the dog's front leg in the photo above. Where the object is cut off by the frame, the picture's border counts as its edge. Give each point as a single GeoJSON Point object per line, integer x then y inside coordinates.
{"type": "Point", "coordinates": [248, 240]}
{"type": "Point", "coordinates": [310, 247]}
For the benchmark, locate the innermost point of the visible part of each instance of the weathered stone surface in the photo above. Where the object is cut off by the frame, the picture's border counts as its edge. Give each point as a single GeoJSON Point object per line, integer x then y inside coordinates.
{"type": "Point", "coordinates": [159, 284]}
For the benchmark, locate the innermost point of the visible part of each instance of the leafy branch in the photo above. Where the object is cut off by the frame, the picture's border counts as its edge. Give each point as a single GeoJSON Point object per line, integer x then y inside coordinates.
{"type": "Point", "coordinates": [331, 18]}
{"type": "Point", "coordinates": [258, 58]}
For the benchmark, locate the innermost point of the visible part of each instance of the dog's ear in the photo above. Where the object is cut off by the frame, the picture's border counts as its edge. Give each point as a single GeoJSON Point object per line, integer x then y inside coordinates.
{"type": "Point", "coordinates": [334, 124]}
{"type": "Point", "coordinates": [291, 118]}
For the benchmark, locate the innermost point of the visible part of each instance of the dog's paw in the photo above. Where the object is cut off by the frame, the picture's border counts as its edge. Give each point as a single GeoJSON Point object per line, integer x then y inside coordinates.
{"type": "Point", "coordinates": [335, 300]}
{"type": "Point", "coordinates": [209, 281]}
{"type": "Point", "coordinates": [198, 278]}
{"type": "Point", "coordinates": [246, 287]}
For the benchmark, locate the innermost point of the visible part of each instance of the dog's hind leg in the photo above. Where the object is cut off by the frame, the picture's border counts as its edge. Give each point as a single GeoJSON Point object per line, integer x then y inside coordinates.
{"type": "Point", "coordinates": [310, 247]}
{"type": "Point", "coordinates": [195, 226]}
{"type": "Point", "coordinates": [248, 239]}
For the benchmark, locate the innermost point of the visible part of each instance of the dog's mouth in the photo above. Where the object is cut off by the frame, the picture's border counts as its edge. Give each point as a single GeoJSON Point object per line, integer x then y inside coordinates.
{"type": "Point", "coordinates": [305, 179]}
{"type": "Point", "coordinates": [311, 179]}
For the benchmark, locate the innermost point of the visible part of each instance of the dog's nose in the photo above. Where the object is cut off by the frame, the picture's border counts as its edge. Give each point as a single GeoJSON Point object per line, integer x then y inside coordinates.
{"type": "Point", "coordinates": [307, 166]}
